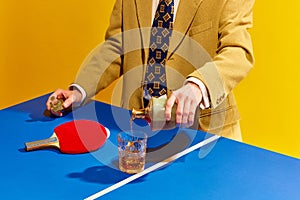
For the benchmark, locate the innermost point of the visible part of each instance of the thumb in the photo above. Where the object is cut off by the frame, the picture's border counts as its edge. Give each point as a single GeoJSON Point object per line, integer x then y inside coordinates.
{"type": "Point", "coordinates": [68, 102]}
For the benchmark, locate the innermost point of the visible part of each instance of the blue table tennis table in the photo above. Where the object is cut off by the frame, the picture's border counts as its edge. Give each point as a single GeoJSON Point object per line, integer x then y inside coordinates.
{"type": "Point", "coordinates": [222, 169]}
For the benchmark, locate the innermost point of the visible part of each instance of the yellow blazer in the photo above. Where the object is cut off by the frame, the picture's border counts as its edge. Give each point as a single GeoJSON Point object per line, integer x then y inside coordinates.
{"type": "Point", "coordinates": [209, 41]}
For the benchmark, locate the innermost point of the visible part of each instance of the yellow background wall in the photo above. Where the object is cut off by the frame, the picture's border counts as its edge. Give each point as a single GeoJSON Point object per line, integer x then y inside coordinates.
{"type": "Point", "coordinates": [42, 44]}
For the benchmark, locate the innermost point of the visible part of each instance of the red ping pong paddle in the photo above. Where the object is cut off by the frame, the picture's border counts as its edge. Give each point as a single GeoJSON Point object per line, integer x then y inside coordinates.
{"type": "Point", "coordinates": [74, 137]}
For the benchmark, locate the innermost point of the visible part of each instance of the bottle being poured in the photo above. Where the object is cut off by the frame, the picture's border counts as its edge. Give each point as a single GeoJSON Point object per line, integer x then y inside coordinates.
{"type": "Point", "coordinates": [154, 114]}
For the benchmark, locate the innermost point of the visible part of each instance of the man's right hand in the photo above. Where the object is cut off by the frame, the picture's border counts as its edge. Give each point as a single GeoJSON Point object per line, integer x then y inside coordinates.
{"type": "Point", "coordinates": [69, 96]}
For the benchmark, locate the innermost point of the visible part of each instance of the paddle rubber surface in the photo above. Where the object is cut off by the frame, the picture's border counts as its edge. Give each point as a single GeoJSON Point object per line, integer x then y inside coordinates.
{"type": "Point", "coordinates": [80, 136]}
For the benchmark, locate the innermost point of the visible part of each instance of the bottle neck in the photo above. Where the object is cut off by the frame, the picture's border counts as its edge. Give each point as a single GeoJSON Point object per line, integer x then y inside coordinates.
{"type": "Point", "coordinates": [140, 113]}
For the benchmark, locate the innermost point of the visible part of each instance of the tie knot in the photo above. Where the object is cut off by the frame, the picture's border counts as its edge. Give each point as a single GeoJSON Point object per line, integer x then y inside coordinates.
{"type": "Point", "coordinates": [167, 2]}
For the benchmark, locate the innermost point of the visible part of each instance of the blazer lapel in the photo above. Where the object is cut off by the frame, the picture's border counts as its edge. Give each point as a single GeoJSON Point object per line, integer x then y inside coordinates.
{"type": "Point", "coordinates": [184, 17]}
{"type": "Point", "coordinates": [144, 12]}
{"type": "Point", "coordinates": [144, 15]}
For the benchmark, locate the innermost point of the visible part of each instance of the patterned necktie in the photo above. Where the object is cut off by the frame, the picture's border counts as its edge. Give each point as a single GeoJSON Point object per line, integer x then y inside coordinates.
{"type": "Point", "coordinates": [155, 83]}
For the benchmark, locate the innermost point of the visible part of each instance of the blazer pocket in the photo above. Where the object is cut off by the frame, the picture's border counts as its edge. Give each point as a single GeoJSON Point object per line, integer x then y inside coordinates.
{"type": "Point", "coordinates": [200, 28]}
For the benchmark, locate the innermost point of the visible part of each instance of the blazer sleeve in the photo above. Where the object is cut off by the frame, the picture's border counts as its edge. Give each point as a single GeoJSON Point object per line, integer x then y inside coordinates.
{"type": "Point", "coordinates": [103, 65]}
{"type": "Point", "coordinates": [234, 56]}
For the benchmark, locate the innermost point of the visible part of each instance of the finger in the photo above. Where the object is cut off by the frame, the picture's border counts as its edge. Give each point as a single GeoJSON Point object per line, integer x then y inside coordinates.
{"type": "Point", "coordinates": [48, 103]}
{"type": "Point", "coordinates": [192, 111]}
{"type": "Point", "coordinates": [57, 113]}
{"type": "Point", "coordinates": [169, 105]}
{"type": "Point", "coordinates": [61, 94]}
{"type": "Point", "coordinates": [68, 102]}
{"type": "Point", "coordinates": [179, 111]}
{"type": "Point", "coordinates": [185, 112]}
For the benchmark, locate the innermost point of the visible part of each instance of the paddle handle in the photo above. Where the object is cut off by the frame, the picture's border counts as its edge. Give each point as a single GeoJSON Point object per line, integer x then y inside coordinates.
{"type": "Point", "coordinates": [41, 144]}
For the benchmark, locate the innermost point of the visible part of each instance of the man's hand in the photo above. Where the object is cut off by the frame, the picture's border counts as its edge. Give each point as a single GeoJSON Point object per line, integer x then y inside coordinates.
{"type": "Point", "coordinates": [187, 98]}
{"type": "Point", "coordinates": [69, 96]}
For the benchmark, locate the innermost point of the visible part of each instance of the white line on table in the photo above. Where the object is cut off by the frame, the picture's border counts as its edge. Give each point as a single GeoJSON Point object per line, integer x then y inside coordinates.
{"type": "Point", "coordinates": [152, 168]}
